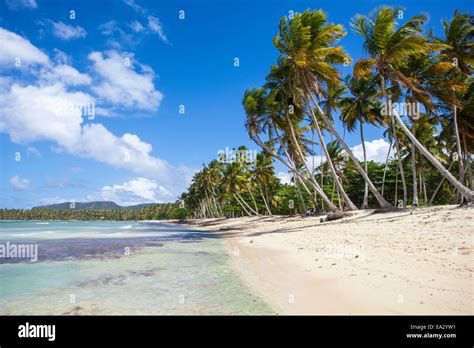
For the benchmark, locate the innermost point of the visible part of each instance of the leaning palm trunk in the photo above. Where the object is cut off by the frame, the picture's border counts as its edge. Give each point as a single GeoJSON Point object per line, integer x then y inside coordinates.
{"type": "Point", "coordinates": [365, 202]}
{"type": "Point", "coordinates": [300, 152]}
{"type": "Point", "coordinates": [399, 160]}
{"type": "Point", "coordinates": [413, 168]}
{"type": "Point", "coordinates": [300, 195]}
{"type": "Point", "coordinates": [265, 201]}
{"type": "Point", "coordinates": [253, 198]}
{"type": "Point", "coordinates": [425, 195]}
{"type": "Point", "coordinates": [397, 143]}
{"type": "Point", "coordinates": [395, 203]}
{"type": "Point", "coordinates": [458, 148]}
{"type": "Point", "coordinates": [437, 164]}
{"type": "Point", "coordinates": [312, 180]}
{"type": "Point", "coordinates": [386, 165]}
{"type": "Point", "coordinates": [290, 166]}
{"type": "Point", "coordinates": [347, 200]}
{"type": "Point", "coordinates": [468, 163]}
{"type": "Point", "coordinates": [382, 201]}
{"type": "Point", "coordinates": [243, 207]}
{"type": "Point", "coordinates": [439, 186]}
{"type": "Point", "coordinates": [246, 204]}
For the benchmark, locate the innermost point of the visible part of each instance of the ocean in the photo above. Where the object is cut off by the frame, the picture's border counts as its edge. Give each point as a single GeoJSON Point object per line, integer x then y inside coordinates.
{"type": "Point", "coordinates": [115, 268]}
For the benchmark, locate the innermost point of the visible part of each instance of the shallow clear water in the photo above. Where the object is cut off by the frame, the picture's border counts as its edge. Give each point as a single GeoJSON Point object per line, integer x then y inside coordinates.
{"type": "Point", "coordinates": [120, 268]}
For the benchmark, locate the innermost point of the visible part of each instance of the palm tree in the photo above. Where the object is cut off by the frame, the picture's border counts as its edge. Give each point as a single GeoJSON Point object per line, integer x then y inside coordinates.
{"type": "Point", "coordinates": [290, 106]}
{"type": "Point", "coordinates": [339, 159]}
{"type": "Point", "coordinates": [361, 108]}
{"type": "Point", "coordinates": [262, 116]}
{"type": "Point", "coordinates": [235, 182]}
{"type": "Point", "coordinates": [388, 46]}
{"type": "Point", "coordinates": [307, 58]}
{"type": "Point", "coordinates": [263, 174]}
{"type": "Point", "coordinates": [458, 35]}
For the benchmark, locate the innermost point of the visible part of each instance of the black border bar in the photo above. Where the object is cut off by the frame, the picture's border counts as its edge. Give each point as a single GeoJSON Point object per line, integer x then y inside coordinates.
{"type": "Point", "coordinates": [241, 330]}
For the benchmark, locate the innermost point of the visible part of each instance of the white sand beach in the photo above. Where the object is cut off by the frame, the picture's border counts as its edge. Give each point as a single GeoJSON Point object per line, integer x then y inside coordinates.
{"type": "Point", "coordinates": [417, 261]}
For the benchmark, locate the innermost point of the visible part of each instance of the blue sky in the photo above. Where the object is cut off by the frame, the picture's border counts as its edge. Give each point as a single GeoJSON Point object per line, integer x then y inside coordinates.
{"type": "Point", "coordinates": [136, 62]}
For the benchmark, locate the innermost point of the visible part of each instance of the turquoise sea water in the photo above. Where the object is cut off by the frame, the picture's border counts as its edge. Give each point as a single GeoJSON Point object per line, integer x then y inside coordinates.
{"type": "Point", "coordinates": [120, 268]}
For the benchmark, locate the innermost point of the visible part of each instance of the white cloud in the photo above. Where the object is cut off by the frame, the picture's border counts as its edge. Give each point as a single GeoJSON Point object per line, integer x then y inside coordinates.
{"type": "Point", "coordinates": [20, 4]}
{"type": "Point", "coordinates": [67, 32]}
{"type": "Point", "coordinates": [65, 74]}
{"type": "Point", "coordinates": [14, 46]}
{"type": "Point", "coordinates": [317, 160]}
{"type": "Point", "coordinates": [118, 36]}
{"type": "Point", "coordinates": [153, 23]}
{"type": "Point", "coordinates": [122, 85]}
{"type": "Point", "coordinates": [19, 183]}
{"type": "Point", "coordinates": [61, 58]}
{"type": "Point", "coordinates": [34, 113]}
{"type": "Point", "coordinates": [376, 150]}
{"type": "Point", "coordinates": [49, 110]}
{"type": "Point", "coordinates": [136, 26]}
{"type": "Point", "coordinates": [284, 177]}
{"type": "Point", "coordinates": [137, 8]}
{"type": "Point", "coordinates": [33, 151]}
{"type": "Point", "coordinates": [155, 26]}
{"type": "Point", "coordinates": [135, 191]}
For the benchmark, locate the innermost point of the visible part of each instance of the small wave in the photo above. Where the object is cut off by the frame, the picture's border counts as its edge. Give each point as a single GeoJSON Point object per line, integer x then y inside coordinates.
{"type": "Point", "coordinates": [32, 234]}
{"type": "Point", "coordinates": [127, 227]}
{"type": "Point", "coordinates": [42, 223]}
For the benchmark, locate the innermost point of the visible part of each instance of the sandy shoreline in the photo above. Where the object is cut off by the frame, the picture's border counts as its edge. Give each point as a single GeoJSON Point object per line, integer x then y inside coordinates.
{"type": "Point", "coordinates": [409, 262]}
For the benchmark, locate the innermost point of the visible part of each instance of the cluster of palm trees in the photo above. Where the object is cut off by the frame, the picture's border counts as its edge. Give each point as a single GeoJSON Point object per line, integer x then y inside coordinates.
{"type": "Point", "coordinates": [153, 212]}
{"type": "Point", "coordinates": [304, 92]}
{"type": "Point", "coordinates": [233, 187]}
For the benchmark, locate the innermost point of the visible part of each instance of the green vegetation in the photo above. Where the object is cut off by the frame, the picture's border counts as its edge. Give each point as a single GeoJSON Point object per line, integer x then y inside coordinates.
{"type": "Point", "coordinates": [431, 132]}
{"type": "Point", "coordinates": [151, 212]}
{"type": "Point", "coordinates": [431, 136]}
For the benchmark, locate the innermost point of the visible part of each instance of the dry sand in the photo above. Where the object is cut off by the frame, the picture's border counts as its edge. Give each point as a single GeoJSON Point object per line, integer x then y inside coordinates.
{"type": "Point", "coordinates": [418, 261]}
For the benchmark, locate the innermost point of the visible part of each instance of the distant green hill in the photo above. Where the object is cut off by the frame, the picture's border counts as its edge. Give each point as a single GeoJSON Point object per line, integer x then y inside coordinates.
{"type": "Point", "coordinates": [99, 205]}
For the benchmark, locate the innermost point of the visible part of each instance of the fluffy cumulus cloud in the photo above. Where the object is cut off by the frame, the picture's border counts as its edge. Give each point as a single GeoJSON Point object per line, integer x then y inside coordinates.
{"type": "Point", "coordinates": [20, 183]}
{"type": "Point", "coordinates": [21, 4]}
{"type": "Point", "coordinates": [67, 32]}
{"type": "Point", "coordinates": [16, 47]}
{"type": "Point", "coordinates": [65, 74]}
{"type": "Point", "coordinates": [376, 150]}
{"type": "Point", "coordinates": [33, 113]}
{"type": "Point", "coordinates": [52, 108]}
{"type": "Point", "coordinates": [135, 191]}
{"type": "Point", "coordinates": [121, 84]}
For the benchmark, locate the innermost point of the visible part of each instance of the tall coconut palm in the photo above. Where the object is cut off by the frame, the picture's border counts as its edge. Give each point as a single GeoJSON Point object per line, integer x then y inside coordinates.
{"type": "Point", "coordinates": [261, 114]}
{"type": "Point", "coordinates": [291, 107]}
{"type": "Point", "coordinates": [308, 55]}
{"type": "Point", "coordinates": [388, 46]}
{"type": "Point", "coordinates": [359, 108]}
{"type": "Point", "coordinates": [458, 37]}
